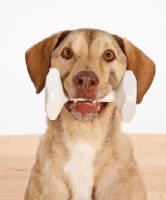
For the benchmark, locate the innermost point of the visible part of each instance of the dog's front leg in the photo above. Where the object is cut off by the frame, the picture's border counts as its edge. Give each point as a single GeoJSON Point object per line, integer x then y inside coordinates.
{"type": "Point", "coordinates": [48, 186]}
{"type": "Point", "coordinates": [117, 183]}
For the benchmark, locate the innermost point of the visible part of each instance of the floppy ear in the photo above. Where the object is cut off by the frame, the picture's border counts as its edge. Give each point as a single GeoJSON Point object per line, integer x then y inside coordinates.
{"type": "Point", "coordinates": [141, 65]}
{"type": "Point", "coordinates": [38, 59]}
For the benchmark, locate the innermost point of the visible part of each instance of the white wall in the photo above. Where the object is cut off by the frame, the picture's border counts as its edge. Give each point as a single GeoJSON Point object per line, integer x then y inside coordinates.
{"type": "Point", "coordinates": [25, 22]}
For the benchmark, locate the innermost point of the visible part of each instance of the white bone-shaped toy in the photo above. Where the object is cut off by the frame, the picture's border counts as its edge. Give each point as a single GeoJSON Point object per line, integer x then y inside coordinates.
{"type": "Point", "coordinates": [124, 96]}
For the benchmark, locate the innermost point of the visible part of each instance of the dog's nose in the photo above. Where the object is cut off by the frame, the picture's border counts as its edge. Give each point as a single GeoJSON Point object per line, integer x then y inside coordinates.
{"type": "Point", "coordinates": [86, 81]}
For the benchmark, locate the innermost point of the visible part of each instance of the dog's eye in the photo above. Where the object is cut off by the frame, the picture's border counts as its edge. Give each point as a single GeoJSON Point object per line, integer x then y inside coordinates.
{"type": "Point", "coordinates": [109, 55]}
{"type": "Point", "coordinates": [67, 53]}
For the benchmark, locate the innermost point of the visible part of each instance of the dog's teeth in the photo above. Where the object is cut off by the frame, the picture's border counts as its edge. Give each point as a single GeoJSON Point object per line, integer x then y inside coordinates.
{"type": "Point", "coordinates": [75, 100]}
{"type": "Point", "coordinates": [94, 101]}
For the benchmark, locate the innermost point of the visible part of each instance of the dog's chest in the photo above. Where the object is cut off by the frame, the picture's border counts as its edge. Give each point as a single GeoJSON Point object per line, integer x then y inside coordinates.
{"type": "Point", "coordinates": [80, 170]}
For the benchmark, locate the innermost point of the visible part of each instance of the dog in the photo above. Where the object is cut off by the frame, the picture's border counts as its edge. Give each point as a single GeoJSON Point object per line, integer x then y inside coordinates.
{"type": "Point", "coordinates": [84, 155]}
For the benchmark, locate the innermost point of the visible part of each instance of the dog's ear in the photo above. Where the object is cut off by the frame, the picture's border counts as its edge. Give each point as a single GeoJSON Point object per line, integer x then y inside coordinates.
{"type": "Point", "coordinates": [141, 65]}
{"type": "Point", "coordinates": [38, 59]}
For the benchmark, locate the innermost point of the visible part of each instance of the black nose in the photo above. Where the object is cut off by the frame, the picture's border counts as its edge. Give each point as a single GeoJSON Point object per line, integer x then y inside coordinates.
{"type": "Point", "coordinates": [85, 81]}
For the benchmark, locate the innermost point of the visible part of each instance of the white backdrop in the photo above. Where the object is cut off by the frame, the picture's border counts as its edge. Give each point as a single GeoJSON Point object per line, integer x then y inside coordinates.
{"type": "Point", "coordinates": [25, 22]}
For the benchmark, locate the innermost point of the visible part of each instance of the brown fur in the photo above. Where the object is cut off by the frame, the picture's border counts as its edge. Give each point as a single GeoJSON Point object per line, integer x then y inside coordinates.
{"type": "Point", "coordinates": [109, 164]}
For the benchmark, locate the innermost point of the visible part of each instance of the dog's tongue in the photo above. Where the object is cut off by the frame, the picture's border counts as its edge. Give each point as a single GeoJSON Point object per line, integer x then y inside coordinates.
{"type": "Point", "coordinates": [85, 107]}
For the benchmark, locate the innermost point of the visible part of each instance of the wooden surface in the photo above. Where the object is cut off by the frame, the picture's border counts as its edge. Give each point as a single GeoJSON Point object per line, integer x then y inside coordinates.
{"type": "Point", "coordinates": [17, 155]}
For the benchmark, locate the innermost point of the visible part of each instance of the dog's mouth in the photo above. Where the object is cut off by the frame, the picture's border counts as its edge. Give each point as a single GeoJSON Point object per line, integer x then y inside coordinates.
{"type": "Point", "coordinates": [85, 110]}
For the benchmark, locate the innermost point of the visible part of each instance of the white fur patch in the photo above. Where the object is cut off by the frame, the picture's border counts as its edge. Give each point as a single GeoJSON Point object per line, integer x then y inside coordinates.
{"type": "Point", "coordinates": [80, 170]}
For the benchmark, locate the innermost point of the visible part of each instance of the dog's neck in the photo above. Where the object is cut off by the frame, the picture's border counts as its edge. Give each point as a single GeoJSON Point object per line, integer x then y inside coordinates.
{"type": "Point", "coordinates": [103, 126]}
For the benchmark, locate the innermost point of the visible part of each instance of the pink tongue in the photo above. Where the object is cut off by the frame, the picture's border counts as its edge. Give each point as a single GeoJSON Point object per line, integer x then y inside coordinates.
{"type": "Point", "coordinates": [84, 107]}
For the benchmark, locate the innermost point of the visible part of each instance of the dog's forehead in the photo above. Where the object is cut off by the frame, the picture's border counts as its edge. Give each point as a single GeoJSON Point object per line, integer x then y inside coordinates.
{"type": "Point", "coordinates": [90, 37]}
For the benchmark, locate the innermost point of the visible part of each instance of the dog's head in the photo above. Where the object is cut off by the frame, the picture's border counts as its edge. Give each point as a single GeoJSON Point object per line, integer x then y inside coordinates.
{"type": "Point", "coordinates": [91, 63]}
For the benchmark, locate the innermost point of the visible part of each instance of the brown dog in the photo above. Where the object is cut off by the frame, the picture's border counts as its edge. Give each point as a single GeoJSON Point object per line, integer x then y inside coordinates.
{"type": "Point", "coordinates": [84, 155]}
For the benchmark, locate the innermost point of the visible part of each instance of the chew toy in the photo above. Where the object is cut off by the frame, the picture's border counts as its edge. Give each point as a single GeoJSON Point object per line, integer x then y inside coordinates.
{"type": "Point", "coordinates": [124, 96]}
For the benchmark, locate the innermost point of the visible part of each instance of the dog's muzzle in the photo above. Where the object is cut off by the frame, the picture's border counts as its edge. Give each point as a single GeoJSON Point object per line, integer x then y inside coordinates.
{"type": "Point", "coordinates": [85, 84]}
